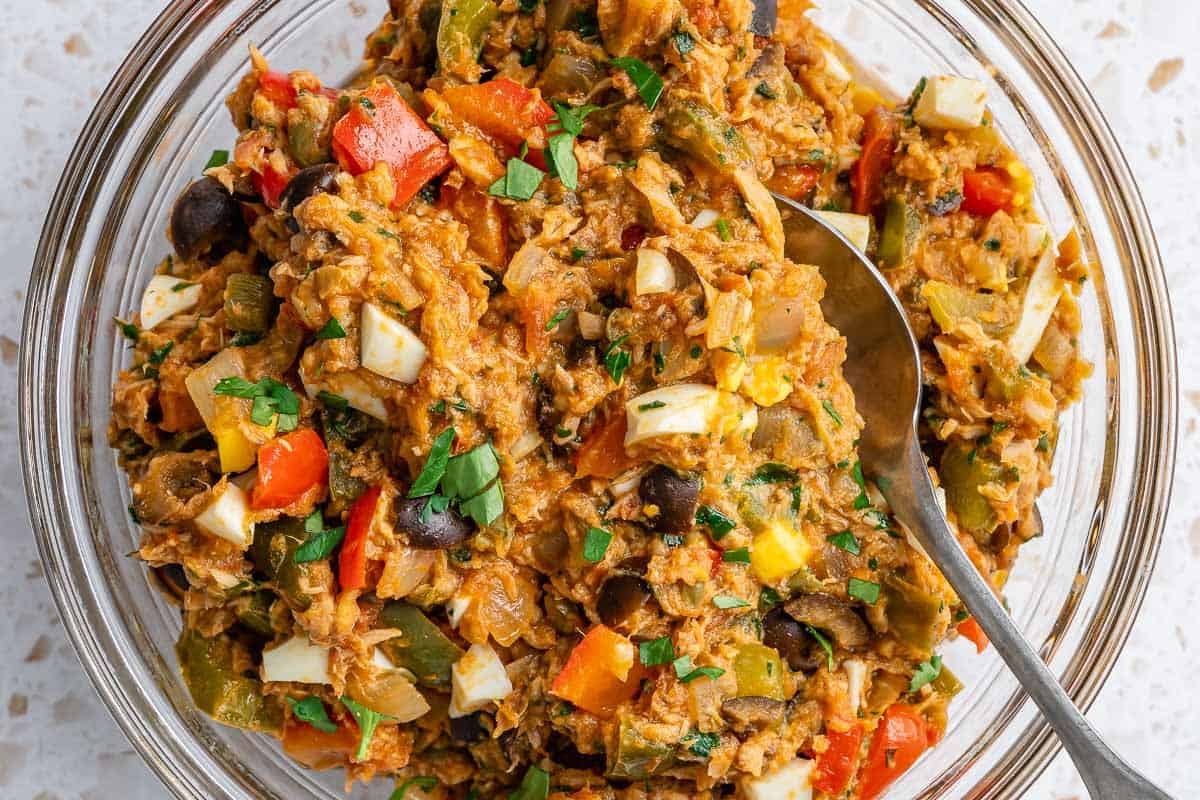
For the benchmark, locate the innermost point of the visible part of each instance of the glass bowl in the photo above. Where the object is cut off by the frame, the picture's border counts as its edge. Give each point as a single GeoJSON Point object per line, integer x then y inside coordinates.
{"type": "Point", "coordinates": [1075, 592]}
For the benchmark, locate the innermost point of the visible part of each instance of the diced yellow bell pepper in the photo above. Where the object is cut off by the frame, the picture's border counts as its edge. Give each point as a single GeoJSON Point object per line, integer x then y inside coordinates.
{"type": "Point", "coordinates": [778, 550]}
{"type": "Point", "coordinates": [237, 451]}
{"type": "Point", "coordinates": [767, 381]}
{"type": "Point", "coordinates": [864, 98]}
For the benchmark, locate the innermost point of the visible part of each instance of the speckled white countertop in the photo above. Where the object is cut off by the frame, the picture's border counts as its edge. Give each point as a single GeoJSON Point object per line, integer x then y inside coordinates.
{"type": "Point", "coordinates": [1140, 58]}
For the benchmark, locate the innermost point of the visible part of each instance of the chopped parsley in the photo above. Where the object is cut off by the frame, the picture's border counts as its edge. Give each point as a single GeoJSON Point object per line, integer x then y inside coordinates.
{"type": "Point", "coordinates": [617, 359]}
{"type": "Point", "coordinates": [701, 744]}
{"type": "Point", "coordinates": [772, 472]}
{"type": "Point", "coordinates": [334, 401]}
{"type": "Point", "coordinates": [724, 601]}
{"type": "Point", "coordinates": [471, 479]}
{"type": "Point", "coordinates": [863, 500]}
{"type": "Point", "coordinates": [652, 405]}
{"type": "Point", "coordinates": [519, 182]}
{"type": "Point", "coordinates": [320, 541]}
{"type": "Point", "coordinates": [271, 401]}
{"type": "Point", "coordinates": [866, 591]}
{"type": "Point", "coordinates": [832, 412]}
{"type": "Point", "coordinates": [992, 245]}
{"type": "Point", "coordinates": [368, 721]}
{"type": "Point", "coordinates": [356, 216]}
{"type": "Point", "coordinates": [716, 522]}
{"type": "Point", "coordinates": [688, 673]}
{"type": "Point", "coordinates": [558, 317]}
{"type": "Point", "coordinates": [656, 651]}
{"type": "Point", "coordinates": [845, 540]}
{"type": "Point", "coordinates": [764, 90]}
{"type": "Point", "coordinates": [595, 544]}
{"type": "Point", "coordinates": [826, 645]}
{"type": "Point", "coordinates": [331, 330]}
{"type": "Point", "coordinates": [578, 253]}
{"type": "Point", "coordinates": [647, 82]}
{"type": "Point", "coordinates": [739, 556]}
{"type": "Point", "coordinates": [927, 671]}
{"type": "Point", "coordinates": [219, 158]}
{"type": "Point", "coordinates": [127, 329]}
{"type": "Point", "coordinates": [768, 598]}
{"type": "Point", "coordinates": [312, 711]}
{"type": "Point", "coordinates": [723, 230]}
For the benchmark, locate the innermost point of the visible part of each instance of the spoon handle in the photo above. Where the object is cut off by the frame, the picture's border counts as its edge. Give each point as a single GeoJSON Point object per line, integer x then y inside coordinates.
{"type": "Point", "coordinates": [911, 497]}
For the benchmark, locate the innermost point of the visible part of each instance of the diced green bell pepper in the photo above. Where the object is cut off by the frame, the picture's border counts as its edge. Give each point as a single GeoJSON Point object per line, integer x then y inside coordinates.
{"type": "Point", "coordinates": [460, 31]}
{"type": "Point", "coordinates": [759, 672]}
{"type": "Point", "coordinates": [963, 470]}
{"type": "Point", "coordinates": [253, 611]}
{"type": "Point", "coordinates": [946, 683]}
{"type": "Point", "coordinates": [226, 696]}
{"type": "Point", "coordinates": [304, 142]}
{"type": "Point", "coordinates": [912, 614]}
{"type": "Point", "coordinates": [636, 756]}
{"type": "Point", "coordinates": [422, 649]}
{"type": "Point", "coordinates": [901, 231]}
{"type": "Point", "coordinates": [950, 304]}
{"type": "Point", "coordinates": [705, 135]}
{"type": "Point", "coordinates": [273, 553]}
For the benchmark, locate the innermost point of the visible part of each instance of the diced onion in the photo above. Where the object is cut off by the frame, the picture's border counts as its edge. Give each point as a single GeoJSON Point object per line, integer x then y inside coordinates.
{"type": "Point", "coordinates": [202, 380]}
{"type": "Point", "coordinates": [523, 265]}
{"type": "Point", "coordinates": [855, 227]}
{"type": "Point", "coordinates": [681, 408]}
{"type": "Point", "coordinates": [476, 679]}
{"type": "Point", "coordinates": [389, 348]}
{"type": "Point", "coordinates": [528, 442]}
{"type": "Point", "coordinates": [166, 296]}
{"type": "Point", "coordinates": [792, 781]}
{"type": "Point", "coordinates": [654, 272]}
{"type": "Point", "coordinates": [591, 326]}
{"type": "Point", "coordinates": [297, 660]}
{"type": "Point", "coordinates": [781, 323]}
{"type": "Point", "coordinates": [627, 481]}
{"type": "Point", "coordinates": [228, 516]}
{"type": "Point", "coordinates": [1041, 297]}
{"type": "Point", "coordinates": [705, 218]}
{"type": "Point", "coordinates": [856, 680]}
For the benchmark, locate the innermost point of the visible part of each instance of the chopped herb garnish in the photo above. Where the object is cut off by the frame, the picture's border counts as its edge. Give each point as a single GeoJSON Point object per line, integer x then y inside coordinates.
{"type": "Point", "coordinates": [272, 401]}
{"type": "Point", "coordinates": [179, 287]}
{"type": "Point", "coordinates": [826, 645]}
{"type": "Point", "coordinates": [435, 465]}
{"type": "Point", "coordinates": [127, 329]}
{"type": "Point", "coordinates": [331, 330]}
{"type": "Point", "coordinates": [420, 781]}
{"type": "Point", "coordinates": [578, 253]}
{"type": "Point", "coordinates": [519, 182]}
{"type": "Point", "coordinates": [845, 540]}
{"type": "Point", "coordinates": [701, 744]}
{"type": "Point", "coordinates": [469, 473]}
{"type": "Point", "coordinates": [660, 362]}
{"type": "Point", "coordinates": [219, 158]}
{"type": "Point", "coordinates": [385, 233]}
{"type": "Point", "coordinates": [716, 522]}
{"type": "Point", "coordinates": [312, 711]}
{"type": "Point", "coordinates": [656, 651]}
{"type": "Point", "coordinates": [684, 43]}
{"type": "Point", "coordinates": [245, 338]}
{"type": "Point", "coordinates": [334, 401]}
{"type": "Point", "coordinates": [768, 598]}
{"type": "Point", "coordinates": [649, 85]}
{"type": "Point", "coordinates": [764, 90]}
{"type": "Point", "coordinates": [595, 544]}
{"type": "Point", "coordinates": [724, 601]}
{"type": "Point", "coordinates": [723, 231]}
{"type": "Point", "coordinates": [797, 498]}
{"type": "Point", "coordinates": [772, 473]}
{"type": "Point", "coordinates": [617, 359]}
{"type": "Point", "coordinates": [1043, 444]}
{"type": "Point", "coordinates": [867, 591]}
{"type": "Point", "coordinates": [558, 317]}
{"type": "Point", "coordinates": [688, 673]}
{"type": "Point", "coordinates": [320, 542]}
{"type": "Point", "coordinates": [926, 672]}
{"type": "Point", "coordinates": [832, 412]}
{"type": "Point", "coordinates": [356, 216]}
{"type": "Point", "coordinates": [739, 556]}
{"type": "Point", "coordinates": [992, 244]}
{"type": "Point", "coordinates": [652, 405]}
{"type": "Point", "coordinates": [863, 500]}
{"type": "Point", "coordinates": [534, 786]}
{"type": "Point", "coordinates": [368, 721]}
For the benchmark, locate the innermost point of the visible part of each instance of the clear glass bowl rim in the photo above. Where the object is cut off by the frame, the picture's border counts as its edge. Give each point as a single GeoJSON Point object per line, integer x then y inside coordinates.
{"type": "Point", "coordinates": [43, 442]}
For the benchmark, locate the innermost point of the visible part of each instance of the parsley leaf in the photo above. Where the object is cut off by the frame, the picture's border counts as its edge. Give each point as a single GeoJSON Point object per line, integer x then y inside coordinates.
{"type": "Point", "coordinates": [595, 544]}
{"type": "Point", "coordinates": [617, 359]}
{"type": "Point", "coordinates": [560, 155]}
{"type": "Point", "coordinates": [738, 556]}
{"type": "Point", "coordinates": [772, 472]}
{"type": "Point", "coordinates": [519, 182]}
{"type": "Point", "coordinates": [715, 521]}
{"type": "Point", "coordinates": [687, 673]}
{"type": "Point", "coordinates": [832, 412]}
{"type": "Point", "coordinates": [485, 508]}
{"type": "Point", "coordinates": [867, 591]}
{"type": "Point", "coordinates": [701, 744]}
{"type": "Point", "coordinates": [331, 330]}
{"type": "Point", "coordinates": [219, 158]}
{"type": "Point", "coordinates": [272, 401]}
{"type": "Point", "coordinates": [926, 672]}
{"type": "Point", "coordinates": [469, 473]}
{"type": "Point", "coordinates": [724, 601]}
{"type": "Point", "coordinates": [656, 651]}
{"type": "Point", "coordinates": [435, 465]}
{"type": "Point", "coordinates": [312, 711]}
{"type": "Point", "coordinates": [825, 645]}
{"type": "Point", "coordinates": [420, 781]}
{"type": "Point", "coordinates": [845, 540]}
{"type": "Point", "coordinates": [127, 329]}
{"type": "Point", "coordinates": [558, 317]}
{"type": "Point", "coordinates": [863, 500]}
{"type": "Point", "coordinates": [334, 401]}
{"type": "Point", "coordinates": [368, 720]}
{"type": "Point", "coordinates": [649, 85]}
{"type": "Point", "coordinates": [320, 542]}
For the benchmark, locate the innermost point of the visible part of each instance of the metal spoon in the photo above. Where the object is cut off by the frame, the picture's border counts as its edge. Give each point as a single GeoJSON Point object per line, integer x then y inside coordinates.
{"type": "Point", "coordinates": [883, 367]}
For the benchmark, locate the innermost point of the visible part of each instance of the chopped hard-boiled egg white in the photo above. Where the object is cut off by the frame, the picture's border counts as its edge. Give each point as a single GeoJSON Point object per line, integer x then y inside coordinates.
{"type": "Point", "coordinates": [1041, 297]}
{"type": "Point", "coordinates": [476, 679]}
{"type": "Point", "coordinates": [855, 227]}
{"type": "Point", "coordinates": [951, 102]}
{"type": "Point", "coordinates": [778, 550]}
{"type": "Point", "coordinates": [654, 272]}
{"type": "Point", "coordinates": [792, 781]}
{"type": "Point", "coordinates": [297, 660]}
{"type": "Point", "coordinates": [352, 387]}
{"type": "Point", "coordinates": [856, 679]}
{"type": "Point", "coordinates": [228, 516]}
{"type": "Point", "coordinates": [1035, 237]}
{"type": "Point", "coordinates": [165, 297]}
{"type": "Point", "coordinates": [705, 218]}
{"type": "Point", "coordinates": [835, 67]}
{"type": "Point", "coordinates": [681, 408]}
{"type": "Point", "coordinates": [456, 607]}
{"type": "Point", "coordinates": [389, 348]}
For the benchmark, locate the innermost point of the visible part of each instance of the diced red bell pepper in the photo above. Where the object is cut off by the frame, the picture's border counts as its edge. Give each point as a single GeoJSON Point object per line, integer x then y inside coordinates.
{"type": "Point", "coordinates": [485, 220]}
{"type": "Point", "coordinates": [902, 735]}
{"type": "Point", "coordinates": [385, 128]}
{"type": "Point", "coordinates": [602, 453]}
{"type": "Point", "coordinates": [795, 181]}
{"type": "Point", "coordinates": [880, 130]}
{"type": "Point", "coordinates": [837, 765]}
{"type": "Point", "coordinates": [602, 672]}
{"type": "Point", "coordinates": [319, 750]}
{"type": "Point", "coordinates": [278, 88]}
{"type": "Point", "coordinates": [501, 108]}
{"type": "Point", "coordinates": [269, 184]}
{"type": "Point", "coordinates": [986, 190]}
{"type": "Point", "coordinates": [352, 560]}
{"type": "Point", "coordinates": [289, 466]}
{"type": "Point", "coordinates": [970, 629]}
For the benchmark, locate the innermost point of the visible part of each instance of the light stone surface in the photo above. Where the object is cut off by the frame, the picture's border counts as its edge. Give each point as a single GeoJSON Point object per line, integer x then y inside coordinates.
{"type": "Point", "coordinates": [1140, 59]}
